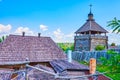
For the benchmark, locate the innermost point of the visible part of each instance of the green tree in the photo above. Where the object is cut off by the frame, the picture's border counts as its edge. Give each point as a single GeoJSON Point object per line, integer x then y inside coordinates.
{"type": "Point", "coordinates": [113, 44]}
{"type": "Point", "coordinates": [113, 62]}
{"type": "Point", "coordinates": [2, 38]}
{"type": "Point", "coordinates": [115, 25]}
{"type": "Point", "coordinates": [66, 46]}
{"type": "Point", "coordinates": [111, 65]}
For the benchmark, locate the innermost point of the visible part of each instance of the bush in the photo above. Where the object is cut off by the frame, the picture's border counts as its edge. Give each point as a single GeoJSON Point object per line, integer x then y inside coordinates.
{"type": "Point", "coordinates": [111, 65]}
{"type": "Point", "coordinates": [113, 44]}
{"type": "Point", "coordinates": [99, 48]}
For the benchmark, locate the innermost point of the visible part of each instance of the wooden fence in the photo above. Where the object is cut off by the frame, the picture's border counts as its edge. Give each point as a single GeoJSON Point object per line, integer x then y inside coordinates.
{"type": "Point", "coordinates": [86, 55]}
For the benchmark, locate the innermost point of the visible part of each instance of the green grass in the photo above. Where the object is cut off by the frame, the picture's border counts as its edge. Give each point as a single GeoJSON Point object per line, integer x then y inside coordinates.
{"type": "Point", "coordinates": [111, 73]}
{"type": "Point", "coordinates": [114, 67]}
{"type": "Point", "coordinates": [115, 75]}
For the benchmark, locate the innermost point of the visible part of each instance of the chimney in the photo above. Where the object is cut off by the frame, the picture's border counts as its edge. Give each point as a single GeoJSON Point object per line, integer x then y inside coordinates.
{"type": "Point", "coordinates": [69, 55]}
{"type": "Point", "coordinates": [39, 34]}
{"type": "Point", "coordinates": [23, 34]}
{"type": "Point", "coordinates": [92, 66]}
{"type": "Point", "coordinates": [27, 59]}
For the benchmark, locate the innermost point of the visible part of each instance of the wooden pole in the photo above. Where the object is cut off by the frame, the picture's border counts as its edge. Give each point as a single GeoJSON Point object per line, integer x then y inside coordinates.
{"type": "Point", "coordinates": [26, 78]}
{"type": "Point", "coordinates": [92, 66]}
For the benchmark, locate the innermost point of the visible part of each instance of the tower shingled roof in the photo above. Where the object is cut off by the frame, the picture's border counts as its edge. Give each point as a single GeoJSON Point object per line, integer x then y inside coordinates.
{"type": "Point", "coordinates": [91, 25]}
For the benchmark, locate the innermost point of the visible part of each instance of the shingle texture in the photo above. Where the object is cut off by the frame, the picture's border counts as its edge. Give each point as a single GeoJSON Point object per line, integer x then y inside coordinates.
{"type": "Point", "coordinates": [3, 75]}
{"type": "Point", "coordinates": [36, 49]}
{"type": "Point", "coordinates": [62, 65]}
{"type": "Point", "coordinates": [91, 25]}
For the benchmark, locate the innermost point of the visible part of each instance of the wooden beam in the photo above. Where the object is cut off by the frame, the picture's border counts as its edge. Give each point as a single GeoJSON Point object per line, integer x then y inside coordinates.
{"type": "Point", "coordinates": [14, 63]}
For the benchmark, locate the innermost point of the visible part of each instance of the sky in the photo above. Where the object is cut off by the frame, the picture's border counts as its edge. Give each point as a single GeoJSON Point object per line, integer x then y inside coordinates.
{"type": "Point", "coordinates": [58, 19]}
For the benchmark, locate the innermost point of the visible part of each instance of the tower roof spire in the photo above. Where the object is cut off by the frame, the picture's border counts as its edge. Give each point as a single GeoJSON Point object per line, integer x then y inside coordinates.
{"type": "Point", "coordinates": [90, 15]}
{"type": "Point", "coordinates": [90, 7]}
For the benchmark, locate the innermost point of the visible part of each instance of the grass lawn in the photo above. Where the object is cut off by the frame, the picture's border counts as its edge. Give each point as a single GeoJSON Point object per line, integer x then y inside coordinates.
{"type": "Point", "coordinates": [115, 75]}
{"type": "Point", "coordinates": [104, 68]}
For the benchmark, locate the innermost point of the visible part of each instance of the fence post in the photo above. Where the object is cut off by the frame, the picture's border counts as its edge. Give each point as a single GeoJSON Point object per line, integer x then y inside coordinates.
{"type": "Point", "coordinates": [26, 72]}
{"type": "Point", "coordinates": [69, 54]}
{"type": "Point", "coordinates": [26, 76]}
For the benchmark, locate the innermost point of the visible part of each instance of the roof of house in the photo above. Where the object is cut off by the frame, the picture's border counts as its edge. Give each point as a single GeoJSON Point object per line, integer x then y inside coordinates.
{"type": "Point", "coordinates": [101, 77]}
{"type": "Point", "coordinates": [35, 49]}
{"type": "Point", "coordinates": [34, 74]}
{"type": "Point", "coordinates": [62, 65]}
{"type": "Point", "coordinates": [5, 73]}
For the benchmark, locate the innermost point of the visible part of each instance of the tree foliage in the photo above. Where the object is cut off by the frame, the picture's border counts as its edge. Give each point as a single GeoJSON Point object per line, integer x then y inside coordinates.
{"type": "Point", "coordinates": [99, 48]}
{"type": "Point", "coordinates": [114, 60]}
{"type": "Point", "coordinates": [2, 38]}
{"type": "Point", "coordinates": [115, 25]}
{"type": "Point", "coordinates": [113, 44]}
{"type": "Point", "coordinates": [111, 65]}
{"type": "Point", "coordinates": [66, 46]}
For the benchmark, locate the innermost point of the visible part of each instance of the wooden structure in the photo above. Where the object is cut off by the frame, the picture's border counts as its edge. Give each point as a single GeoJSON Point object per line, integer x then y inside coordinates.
{"type": "Point", "coordinates": [36, 49]}
{"type": "Point", "coordinates": [22, 54]}
{"type": "Point", "coordinates": [16, 50]}
{"type": "Point", "coordinates": [90, 35]}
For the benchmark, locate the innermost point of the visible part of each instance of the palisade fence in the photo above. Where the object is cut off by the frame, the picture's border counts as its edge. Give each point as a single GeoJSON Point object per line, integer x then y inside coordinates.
{"type": "Point", "coordinates": [86, 55]}
{"type": "Point", "coordinates": [117, 50]}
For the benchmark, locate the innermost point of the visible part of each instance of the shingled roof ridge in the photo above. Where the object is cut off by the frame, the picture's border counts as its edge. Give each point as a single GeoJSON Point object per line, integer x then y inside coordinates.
{"type": "Point", "coordinates": [88, 26]}
{"type": "Point", "coordinates": [41, 49]}
{"type": "Point", "coordinates": [101, 27]}
{"type": "Point", "coordinates": [28, 36]}
{"type": "Point", "coordinates": [81, 27]}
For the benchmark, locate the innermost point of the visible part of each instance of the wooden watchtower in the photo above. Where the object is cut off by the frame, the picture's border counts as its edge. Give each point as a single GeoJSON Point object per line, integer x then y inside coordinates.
{"type": "Point", "coordinates": [90, 35]}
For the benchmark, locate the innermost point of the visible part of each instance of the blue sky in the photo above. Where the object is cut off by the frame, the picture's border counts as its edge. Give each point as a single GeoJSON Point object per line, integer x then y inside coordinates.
{"type": "Point", "coordinates": [58, 19]}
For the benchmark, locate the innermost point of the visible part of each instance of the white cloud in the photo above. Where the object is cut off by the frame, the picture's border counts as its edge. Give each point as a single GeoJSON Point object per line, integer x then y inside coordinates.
{"type": "Point", "coordinates": [113, 38]}
{"type": "Point", "coordinates": [111, 31]}
{"type": "Point", "coordinates": [43, 27]}
{"type": "Point", "coordinates": [19, 30]}
{"type": "Point", "coordinates": [58, 35]}
{"type": "Point", "coordinates": [69, 37]}
{"type": "Point", "coordinates": [5, 28]}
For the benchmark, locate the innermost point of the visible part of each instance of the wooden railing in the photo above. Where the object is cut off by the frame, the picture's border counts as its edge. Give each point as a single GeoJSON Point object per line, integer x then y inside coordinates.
{"type": "Point", "coordinates": [90, 36]}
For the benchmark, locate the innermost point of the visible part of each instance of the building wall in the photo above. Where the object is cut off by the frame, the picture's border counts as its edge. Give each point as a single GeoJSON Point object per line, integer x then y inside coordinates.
{"type": "Point", "coordinates": [22, 66]}
{"type": "Point", "coordinates": [88, 43]}
{"type": "Point", "coordinates": [98, 41]}
{"type": "Point", "coordinates": [81, 44]}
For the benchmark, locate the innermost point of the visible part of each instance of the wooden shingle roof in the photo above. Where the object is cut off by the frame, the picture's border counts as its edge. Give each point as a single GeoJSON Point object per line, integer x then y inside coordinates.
{"type": "Point", "coordinates": [4, 74]}
{"type": "Point", "coordinates": [36, 49]}
{"type": "Point", "coordinates": [91, 25]}
{"type": "Point", "coordinates": [62, 65]}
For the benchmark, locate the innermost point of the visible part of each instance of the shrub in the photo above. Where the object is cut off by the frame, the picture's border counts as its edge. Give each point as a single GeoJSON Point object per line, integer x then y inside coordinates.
{"type": "Point", "coordinates": [113, 62]}
{"type": "Point", "coordinates": [99, 47]}
{"type": "Point", "coordinates": [113, 44]}
{"type": "Point", "coordinates": [2, 38]}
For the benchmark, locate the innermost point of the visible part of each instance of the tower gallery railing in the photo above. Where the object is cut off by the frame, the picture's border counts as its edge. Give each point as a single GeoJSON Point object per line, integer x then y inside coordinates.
{"type": "Point", "coordinates": [90, 36]}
